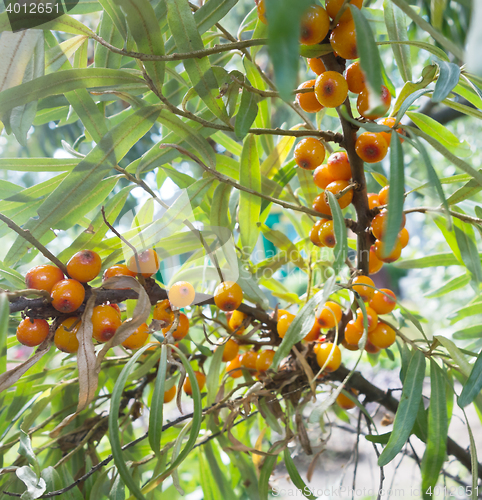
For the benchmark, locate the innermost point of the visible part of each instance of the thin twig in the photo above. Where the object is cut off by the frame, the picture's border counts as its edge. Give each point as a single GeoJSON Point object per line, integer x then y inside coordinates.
{"type": "Point", "coordinates": [458, 215]}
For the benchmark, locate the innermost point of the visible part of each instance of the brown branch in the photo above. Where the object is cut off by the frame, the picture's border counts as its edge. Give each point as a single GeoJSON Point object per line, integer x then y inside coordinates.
{"type": "Point", "coordinates": [441, 210]}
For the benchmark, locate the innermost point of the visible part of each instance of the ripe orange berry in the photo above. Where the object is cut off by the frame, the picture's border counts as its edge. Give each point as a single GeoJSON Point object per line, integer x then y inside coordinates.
{"type": "Point", "coordinates": [369, 347]}
{"type": "Point", "coordinates": [373, 200]}
{"type": "Point", "coordinates": [117, 270]}
{"type": "Point", "coordinates": [339, 166]}
{"type": "Point", "coordinates": [350, 347]}
{"type": "Point", "coordinates": [403, 237]}
{"type": "Point", "coordinates": [84, 266]}
{"type": "Point", "coordinates": [284, 322]}
{"type": "Point", "coordinates": [330, 351]}
{"type": "Point", "coordinates": [248, 360]}
{"type": "Point", "coordinates": [148, 263]}
{"type": "Point", "coordinates": [335, 187]}
{"type": "Point", "coordinates": [345, 402]}
{"type": "Point", "coordinates": [374, 263]}
{"type": "Point", "coordinates": [364, 286]}
{"type": "Point", "coordinates": [309, 153]}
{"type": "Point", "coordinates": [105, 321]}
{"type": "Point", "coordinates": [201, 380]}
{"type": "Point", "coordinates": [43, 277]}
{"type": "Point", "coordinates": [383, 336]}
{"type": "Point", "coordinates": [331, 89]}
{"type": "Point", "coordinates": [236, 320]}
{"type": "Point", "coordinates": [65, 337]}
{"type": "Point", "coordinates": [355, 78]}
{"type": "Point", "coordinates": [265, 360]}
{"type": "Point", "coordinates": [371, 147]}
{"type": "Point", "coordinates": [228, 296]}
{"type": "Point", "coordinates": [138, 338]}
{"type": "Point", "coordinates": [181, 294]}
{"type": "Point", "coordinates": [261, 7]}
{"type": "Point", "coordinates": [379, 224]}
{"type": "Point", "coordinates": [333, 7]}
{"type": "Point", "coordinates": [231, 349]}
{"type": "Point", "coordinates": [169, 394]}
{"type": "Point", "coordinates": [383, 301]}
{"type": "Point", "coordinates": [320, 204]}
{"type": "Point", "coordinates": [316, 65]}
{"type": "Point", "coordinates": [32, 332]}
{"type": "Point", "coordinates": [363, 105]}
{"type": "Point", "coordinates": [353, 333]}
{"type": "Point", "coordinates": [314, 333]}
{"type": "Point", "coordinates": [163, 312]}
{"type": "Point", "coordinates": [308, 101]}
{"type": "Point", "coordinates": [392, 256]}
{"type": "Point", "coordinates": [330, 315]}
{"type": "Point", "coordinates": [372, 319]}
{"type": "Point", "coordinates": [314, 236]}
{"type": "Point", "coordinates": [315, 24]}
{"type": "Point", "coordinates": [67, 295]}
{"type": "Point", "coordinates": [182, 329]}
{"type": "Point", "coordinates": [326, 234]}
{"type": "Point", "coordinates": [383, 194]}
{"type": "Point", "coordinates": [233, 368]}
{"type": "Point", "coordinates": [343, 40]}
{"type": "Point", "coordinates": [322, 176]}
{"type": "Point", "coordinates": [390, 122]}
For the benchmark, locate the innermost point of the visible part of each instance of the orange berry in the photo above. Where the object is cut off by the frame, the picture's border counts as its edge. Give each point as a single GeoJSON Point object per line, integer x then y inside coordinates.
{"type": "Point", "coordinates": [261, 7]}
{"type": "Point", "coordinates": [308, 101]}
{"type": "Point", "coordinates": [339, 166]}
{"type": "Point", "coordinates": [383, 336]}
{"type": "Point", "coordinates": [163, 312]}
{"type": "Point", "coordinates": [67, 295]}
{"type": "Point", "coordinates": [314, 333]}
{"type": "Point", "coordinates": [228, 296]}
{"type": "Point", "coordinates": [117, 270]}
{"type": "Point", "coordinates": [32, 332]}
{"type": "Point", "coordinates": [333, 7]}
{"type": "Point", "coordinates": [373, 200]}
{"type": "Point", "coordinates": [84, 266]}
{"type": "Point", "coordinates": [331, 89]}
{"type": "Point", "coordinates": [201, 380]}
{"type": "Point", "coordinates": [116, 308]}
{"type": "Point", "coordinates": [392, 256]}
{"type": "Point", "coordinates": [284, 322]}
{"type": "Point", "coordinates": [320, 204]}
{"type": "Point", "coordinates": [335, 187]}
{"type": "Point", "coordinates": [364, 286]}
{"type": "Point", "coordinates": [231, 349]}
{"type": "Point", "coordinates": [322, 176]}
{"type": "Point", "coordinates": [105, 321]}
{"type": "Point", "coordinates": [43, 277]}
{"type": "Point", "coordinates": [330, 315]}
{"type": "Point", "coordinates": [345, 402]}
{"type": "Point", "coordinates": [326, 234]}
{"type": "Point", "coordinates": [248, 360]}
{"type": "Point", "coordinates": [363, 104]}
{"type": "Point", "coordinates": [314, 236]}
{"type": "Point", "coordinates": [372, 319]}
{"type": "Point", "coordinates": [353, 333]}
{"type": "Point", "coordinates": [265, 360]}
{"type": "Point", "coordinates": [374, 263]}
{"type": "Point", "coordinates": [236, 320]}
{"type": "Point", "coordinates": [383, 194]}
{"type": "Point", "coordinates": [169, 394]}
{"type": "Point", "coordinates": [330, 351]}
{"type": "Point", "coordinates": [138, 338]}
{"type": "Point", "coordinates": [369, 347]}
{"type": "Point", "coordinates": [148, 263]}
{"type": "Point", "coordinates": [65, 337]}
{"type": "Point", "coordinates": [181, 294]}
{"type": "Point", "coordinates": [343, 40]}
{"type": "Point", "coordinates": [233, 368]}
{"type": "Point", "coordinates": [355, 78]}
{"type": "Point", "coordinates": [315, 24]}
{"type": "Point", "coordinates": [403, 237]}
{"type": "Point", "coordinates": [379, 224]}
{"type": "Point", "coordinates": [309, 153]}
{"type": "Point", "coordinates": [182, 329]}
{"type": "Point", "coordinates": [383, 301]}
{"type": "Point", "coordinates": [371, 147]}
{"type": "Point", "coordinates": [350, 347]}
{"type": "Point", "coordinates": [316, 65]}
{"type": "Point", "coordinates": [390, 122]}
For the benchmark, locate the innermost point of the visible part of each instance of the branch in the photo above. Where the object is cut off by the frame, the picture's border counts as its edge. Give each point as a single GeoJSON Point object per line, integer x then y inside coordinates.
{"type": "Point", "coordinates": [440, 210]}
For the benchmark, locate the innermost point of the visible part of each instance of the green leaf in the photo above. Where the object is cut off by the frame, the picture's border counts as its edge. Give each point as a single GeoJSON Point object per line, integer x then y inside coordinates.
{"type": "Point", "coordinates": [451, 285]}
{"type": "Point", "coordinates": [157, 404]}
{"type": "Point", "coordinates": [448, 78]}
{"type": "Point", "coordinates": [212, 379]}
{"type": "Point", "coordinates": [209, 485]}
{"type": "Point", "coordinates": [473, 385]}
{"type": "Point", "coordinates": [35, 486]}
{"type": "Point", "coordinates": [471, 332]}
{"type": "Point", "coordinates": [265, 473]}
{"type": "Point", "coordinates": [465, 237]}
{"type": "Point", "coordinates": [38, 164]}
{"type": "Point", "coordinates": [25, 449]}
{"type": "Point", "coordinates": [248, 110]}
{"type": "Point", "coordinates": [433, 49]}
{"type": "Point", "coordinates": [220, 206]}
{"type": "Point", "coordinates": [397, 31]}
{"type": "Point", "coordinates": [434, 260]}
{"type": "Point", "coordinates": [407, 409]}
{"type": "Point", "coordinates": [113, 10]}
{"type": "Point", "coordinates": [474, 464]}
{"type": "Point", "coordinates": [341, 246]}
{"type": "Point", "coordinates": [295, 476]}
{"type": "Point", "coordinates": [4, 316]}
{"type": "Point", "coordinates": [379, 438]}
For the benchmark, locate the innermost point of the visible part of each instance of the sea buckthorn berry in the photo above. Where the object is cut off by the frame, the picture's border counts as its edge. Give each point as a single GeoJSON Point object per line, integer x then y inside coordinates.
{"type": "Point", "coordinates": [43, 277]}
{"type": "Point", "coordinates": [339, 166]}
{"type": "Point", "coordinates": [105, 321]}
{"type": "Point", "coordinates": [369, 347]}
{"type": "Point", "coordinates": [343, 40]}
{"type": "Point", "coordinates": [383, 301]}
{"type": "Point", "coordinates": [84, 266]}
{"type": "Point", "coordinates": [117, 270]}
{"type": "Point", "coordinates": [337, 186]}
{"type": "Point", "coordinates": [233, 368]}
{"type": "Point", "coordinates": [315, 24]}
{"type": "Point", "coordinates": [364, 286]}
{"type": "Point", "coordinates": [383, 336]}
{"type": "Point", "coordinates": [326, 234]}
{"type": "Point", "coordinates": [181, 294]}
{"type": "Point", "coordinates": [379, 224]}
{"type": "Point", "coordinates": [67, 295]}
{"type": "Point", "coordinates": [329, 351]}
{"type": "Point", "coordinates": [353, 333]}
{"type": "Point", "coordinates": [373, 200]}
{"type": "Point", "coordinates": [314, 236]}
{"type": "Point", "coordinates": [371, 147]}
{"type": "Point", "coordinates": [265, 360]}
{"type": "Point", "coordinates": [236, 320]}
{"type": "Point", "coordinates": [350, 347]}
{"type": "Point", "coordinates": [322, 176]}
{"type": "Point", "coordinates": [316, 65]}
{"type": "Point", "coordinates": [201, 380]}
{"type": "Point", "coordinates": [363, 104]}
{"type": "Point", "coordinates": [330, 315]}
{"type": "Point", "coordinates": [345, 402]}
{"type": "Point", "coordinates": [383, 194]}
{"type": "Point", "coordinates": [163, 312]}
{"type": "Point", "coordinates": [333, 7]}
{"type": "Point", "coordinates": [403, 237]}
{"type": "Point", "coordinates": [331, 89]}
{"type": "Point", "coordinates": [372, 319]}
{"type": "Point", "coordinates": [261, 7]}
{"type": "Point", "coordinates": [228, 296]}
{"type": "Point", "coordinates": [65, 337]}
{"type": "Point", "coordinates": [314, 333]}
{"type": "Point", "coordinates": [248, 360]}
{"type": "Point", "coordinates": [231, 349]}
{"type": "Point", "coordinates": [374, 263]}
{"type": "Point", "coordinates": [116, 308]}
{"type": "Point", "coordinates": [138, 338]}
{"type": "Point", "coordinates": [320, 204]}
{"type": "Point", "coordinates": [390, 122]}
{"type": "Point", "coordinates": [355, 78]}
{"type": "Point", "coordinates": [32, 332]}
{"type": "Point", "coordinates": [182, 328]}
{"type": "Point", "coordinates": [309, 153]}
{"type": "Point", "coordinates": [307, 100]}
{"type": "Point", "coordinates": [148, 263]}
{"type": "Point", "coordinates": [169, 394]}
{"type": "Point", "coordinates": [284, 322]}
{"type": "Point", "coordinates": [392, 256]}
